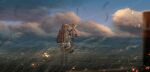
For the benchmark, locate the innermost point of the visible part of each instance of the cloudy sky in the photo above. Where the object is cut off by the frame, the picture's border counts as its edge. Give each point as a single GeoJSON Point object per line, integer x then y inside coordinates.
{"type": "Point", "coordinates": [94, 17]}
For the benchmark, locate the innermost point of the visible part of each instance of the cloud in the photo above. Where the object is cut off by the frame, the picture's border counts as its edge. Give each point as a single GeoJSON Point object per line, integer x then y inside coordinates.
{"type": "Point", "coordinates": [5, 29]}
{"type": "Point", "coordinates": [86, 28]}
{"type": "Point", "coordinates": [53, 23]}
{"type": "Point", "coordinates": [27, 28]}
{"type": "Point", "coordinates": [95, 29]}
{"type": "Point", "coordinates": [36, 19]}
{"type": "Point", "coordinates": [49, 26]}
{"type": "Point", "coordinates": [32, 27]}
{"type": "Point", "coordinates": [128, 20]}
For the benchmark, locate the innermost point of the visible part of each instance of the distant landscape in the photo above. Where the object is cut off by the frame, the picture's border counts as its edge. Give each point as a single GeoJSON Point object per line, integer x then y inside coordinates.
{"type": "Point", "coordinates": [91, 54]}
